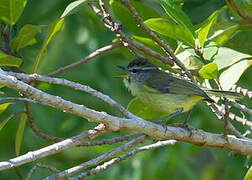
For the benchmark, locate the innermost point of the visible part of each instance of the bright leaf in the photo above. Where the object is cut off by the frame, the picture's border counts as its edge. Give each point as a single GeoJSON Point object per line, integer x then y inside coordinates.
{"type": "Point", "coordinates": [223, 32]}
{"type": "Point", "coordinates": [74, 7]}
{"type": "Point", "coordinates": [209, 71]}
{"type": "Point", "coordinates": [248, 175]}
{"type": "Point", "coordinates": [3, 107]}
{"type": "Point", "coordinates": [7, 60]}
{"type": "Point", "coordinates": [169, 28]}
{"type": "Point", "coordinates": [139, 109]}
{"type": "Point", "coordinates": [4, 122]}
{"type": "Point", "coordinates": [229, 77]}
{"type": "Point", "coordinates": [204, 30]}
{"type": "Point", "coordinates": [25, 37]}
{"type": "Point", "coordinates": [178, 16]}
{"type": "Point", "coordinates": [10, 10]}
{"type": "Point", "coordinates": [20, 132]}
{"type": "Point", "coordinates": [226, 57]}
{"type": "Point", "coordinates": [210, 50]}
{"type": "Point", "coordinates": [53, 29]}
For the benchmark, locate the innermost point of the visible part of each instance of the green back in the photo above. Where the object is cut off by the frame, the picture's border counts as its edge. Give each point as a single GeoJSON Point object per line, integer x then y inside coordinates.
{"type": "Point", "coordinates": [164, 82]}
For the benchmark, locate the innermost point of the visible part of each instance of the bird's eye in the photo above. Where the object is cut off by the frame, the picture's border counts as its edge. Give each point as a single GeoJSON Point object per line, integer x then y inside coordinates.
{"type": "Point", "coordinates": [134, 70]}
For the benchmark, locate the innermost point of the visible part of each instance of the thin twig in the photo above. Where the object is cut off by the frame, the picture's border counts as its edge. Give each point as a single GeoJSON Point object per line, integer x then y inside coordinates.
{"type": "Point", "coordinates": [106, 165]}
{"type": "Point", "coordinates": [111, 141]}
{"type": "Point", "coordinates": [97, 160]}
{"type": "Point", "coordinates": [241, 107]}
{"type": "Point", "coordinates": [86, 59]}
{"type": "Point", "coordinates": [24, 99]}
{"type": "Point", "coordinates": [242, 91]}
{"type": "Point", "coordinates": [50, 168]}
{"type": "Point", "coordinates": [239, 11]}
{"type": "Point", "coordinates": [36, 130]}
{"type": "Point", "coordinates": [114, 27]}
{"type": "Point", "coordinates": [232, 116]}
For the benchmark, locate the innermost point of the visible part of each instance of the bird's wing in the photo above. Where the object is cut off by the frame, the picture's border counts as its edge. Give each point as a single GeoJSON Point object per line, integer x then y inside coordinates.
{"type": "Point", "coordinates": [163, 82]}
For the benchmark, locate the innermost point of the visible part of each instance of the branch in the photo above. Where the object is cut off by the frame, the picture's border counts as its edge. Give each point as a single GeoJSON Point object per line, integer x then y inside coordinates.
{"type": "Point", "coordinates": [242, 107]}
{"type": "Point", "coordinates": [53, 169]}
{"type": "Point", "coordinates": [112, 140]}
{"type": "Point", "coordinates": [86, 59]}
{"type": "Point", "coordinates": [92, 162]}
{"type": "Point", "coordinates": [242, 91]}
{"type": "Point", "coordinates": [156, 131]}
{"type": "Point", "coordinates": [77, 86]}
{"type": "Point", "coordinates": [123, 157]}
{"type": "Point", "coordinates": [242, 14]}
{"type": "Point", "coordinates": [52, 149]}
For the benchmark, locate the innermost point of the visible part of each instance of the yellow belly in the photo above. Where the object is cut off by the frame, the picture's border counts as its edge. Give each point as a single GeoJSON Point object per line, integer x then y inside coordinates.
{"type": "Point", "coordinates": [164, 102]}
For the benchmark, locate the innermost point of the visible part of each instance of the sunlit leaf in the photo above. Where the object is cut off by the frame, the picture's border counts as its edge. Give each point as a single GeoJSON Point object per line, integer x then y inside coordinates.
{"type": "Point", "coordinates": [4, 122]}
{"type": "Point", "coordinates": [230, 76]}
{"type": "Point", "coordinates": [126, 18]}
{"type": "Point", "coordinates": [210, 50]}
{"type": "Point", "coordinates": [20, 132]}
{"type": "Point", "coordinates": [139, 109]}
{"type": "Point", "coordinates": [25, 37]}
{"type": "Point", "coordinates": [3, 107]}
{"type": "Point", "coordinates": [248, 175]}
{"type": "Point", "coordinates": [10, 10]}
{"type": "Point", "coordinates": [222, 32]}
{"type": "Point", "coordinates": [53, 29]}
{"type": "Point", "coordinates": [226, 57]}
{"type": "Point", "coordinates": [169, 28]}
{"type": "Point", "coordinates": [204, 30]}
{"type": "Point", "coordinates": [8, 60]}
{"type": "Point", "coordinates": [74, 7]}
{"type": "Point", "coordinates": [209, 71]}
{"type": "Point", "coordinates": [178, 16]}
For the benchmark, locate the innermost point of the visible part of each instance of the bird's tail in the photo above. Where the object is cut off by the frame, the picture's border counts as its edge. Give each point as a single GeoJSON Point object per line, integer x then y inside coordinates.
{"type": "Point", "coordinates": [220, 93]}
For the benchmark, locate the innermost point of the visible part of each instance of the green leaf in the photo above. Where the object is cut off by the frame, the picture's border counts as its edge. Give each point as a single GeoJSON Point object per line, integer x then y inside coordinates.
{"type": "Point", "coordinates": [3, 107]}
{"type": "Point", "coordinates": [178, 16]}
{"type": "Point", "coordinates": [53, 29]}
{"type": "Point", "coordinates": [223, 32]}
{"type": "Point", "coordinates": [10, 10]}
{"type": "Point", "coordinates": [4, 122]}
{"type": "Point", "coordinates": [230, 76]}
{"type": "Point", "coordinates": [169, 28]}
{"type": "Point", "coordinates": [210, 50]}
{"type": "Point", "coordinates": [25, 37]}
{"type": "Point", "coordinates": [209, 71]}
{"type": "Point", "coordinates": [126, 18]}
{"type": "Point", "coordinates": [139, 109]}
{"type": "Point", "coordinates": [74, 7]}
{"type": "Point", "coordinates": [204, 30]}
{"type": "Point", "coordinates": [226, 57]}
{"type": "Point", "coordinates": [8, 60]}
{"type": "Point", "coordinates": [248, 175]}
{"type": "Point", "coordinates": [20, 132]}
{"type": "Point", "coordinates": [193, 63]}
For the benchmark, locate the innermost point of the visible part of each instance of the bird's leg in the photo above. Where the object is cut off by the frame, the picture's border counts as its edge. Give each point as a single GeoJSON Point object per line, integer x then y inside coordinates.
{"type": "Point", "coordinates": [186, 119]}
{"type": "Point", "coordinates": [171, 115]}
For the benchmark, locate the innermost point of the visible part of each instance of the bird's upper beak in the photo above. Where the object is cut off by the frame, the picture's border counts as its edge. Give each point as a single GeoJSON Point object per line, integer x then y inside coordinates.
{"type": "Point", "coordinates": [123, 68]}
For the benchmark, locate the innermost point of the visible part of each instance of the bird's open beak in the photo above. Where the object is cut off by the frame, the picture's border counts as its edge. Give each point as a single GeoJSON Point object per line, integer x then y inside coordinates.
{"type": "Point", "coordinates": [123, 68]}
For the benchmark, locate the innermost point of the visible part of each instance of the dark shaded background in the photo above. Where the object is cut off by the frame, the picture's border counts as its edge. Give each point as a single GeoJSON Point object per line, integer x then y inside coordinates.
{"type": "Point", "coordinates": [82, 34]}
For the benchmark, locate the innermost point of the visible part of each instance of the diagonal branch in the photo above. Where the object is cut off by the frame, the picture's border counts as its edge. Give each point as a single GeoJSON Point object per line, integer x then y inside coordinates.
{"type": "Point", "coordinates": [52, 149]}
{"type": "Point", "coordinates": [106, 165]}
{"type": "Point", "coordinates": [86, 59]}
{"type": "Point", "coordinates": [95, 161]}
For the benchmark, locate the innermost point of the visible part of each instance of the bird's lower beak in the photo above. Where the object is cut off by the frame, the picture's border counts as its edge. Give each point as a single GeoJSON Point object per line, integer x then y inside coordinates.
{"type": "Point", "coordinates": [123, 68]}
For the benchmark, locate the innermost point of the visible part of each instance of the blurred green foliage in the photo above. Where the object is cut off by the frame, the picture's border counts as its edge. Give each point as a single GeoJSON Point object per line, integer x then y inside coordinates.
{"type": "Point", "coordinates": [83, 33]}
